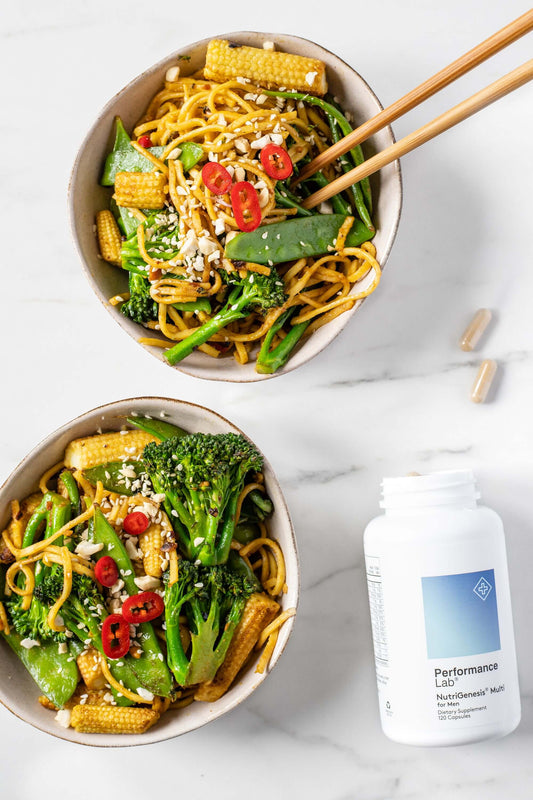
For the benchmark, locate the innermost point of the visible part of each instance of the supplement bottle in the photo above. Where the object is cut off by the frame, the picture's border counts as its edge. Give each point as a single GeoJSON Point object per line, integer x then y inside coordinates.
{"type": "Point", "coordinates": [441, 613]}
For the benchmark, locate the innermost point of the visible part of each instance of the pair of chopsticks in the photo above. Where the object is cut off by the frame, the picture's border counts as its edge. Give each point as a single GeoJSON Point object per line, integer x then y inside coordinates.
{"type": "Point", "coordinates": [513, 80]}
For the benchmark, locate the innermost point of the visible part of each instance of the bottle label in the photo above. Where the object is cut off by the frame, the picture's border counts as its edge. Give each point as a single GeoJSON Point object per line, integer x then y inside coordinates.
{"type": "Point", "coordinates": [461, 614]}
{"type": "Point", "coordinates": [438, 649]}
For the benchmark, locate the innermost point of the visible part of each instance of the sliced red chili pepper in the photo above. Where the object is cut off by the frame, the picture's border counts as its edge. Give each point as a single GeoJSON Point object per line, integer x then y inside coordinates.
{"type": "Point", "coordinates": [136, 523]}
{"type": "Point", "coordinates": [142, 607]}
{"type": "Point", "coordinates": [216, 177]}
{"type": "Point", "coordinates": [106, 571]}
{"type": "Point", "coordinates": [145, 141]}
{"type": "Point", "coordinates": [276, 162]}
{"type": "Point", "coordinates": [115, 636]}
{"type": "Point", "coordinates": [245, 205]}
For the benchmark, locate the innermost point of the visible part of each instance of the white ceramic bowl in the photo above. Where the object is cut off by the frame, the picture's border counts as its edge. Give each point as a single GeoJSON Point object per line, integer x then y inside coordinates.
{"type": "Point", "coordinates": [18, 692]}
{"type": "Point", "coordinates": [87, 196]}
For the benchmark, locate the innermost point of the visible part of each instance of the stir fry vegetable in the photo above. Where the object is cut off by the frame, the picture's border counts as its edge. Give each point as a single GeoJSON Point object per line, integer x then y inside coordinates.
{"type": "Point", "coordinates": [206, 193]}
{"type": "Point", "coordinates": [133, 595]}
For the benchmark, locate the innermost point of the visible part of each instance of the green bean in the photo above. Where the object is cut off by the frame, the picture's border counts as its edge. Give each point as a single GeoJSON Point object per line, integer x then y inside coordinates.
{"type": "Point", "coordinates": [344, 125]}
{"type": "Point", "coordinates": [340, 206]}
{"type": "Point", "coordinates": [286, 199]}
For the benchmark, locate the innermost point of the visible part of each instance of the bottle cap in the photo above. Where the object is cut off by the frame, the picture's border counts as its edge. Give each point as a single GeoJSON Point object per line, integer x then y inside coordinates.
{"type": "Point", "coordinates": [437, 488]}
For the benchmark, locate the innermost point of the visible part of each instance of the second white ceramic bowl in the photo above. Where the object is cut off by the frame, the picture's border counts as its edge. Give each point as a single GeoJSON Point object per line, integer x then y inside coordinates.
{"type": "Point", "coordinates": [18, 692]}
{"type": "Point", "coordinates": [87, 196]}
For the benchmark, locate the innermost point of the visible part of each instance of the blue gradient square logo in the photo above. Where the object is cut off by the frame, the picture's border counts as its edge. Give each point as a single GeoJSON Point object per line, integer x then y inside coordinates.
{"type": "Point", "coordinates": [461, 614]}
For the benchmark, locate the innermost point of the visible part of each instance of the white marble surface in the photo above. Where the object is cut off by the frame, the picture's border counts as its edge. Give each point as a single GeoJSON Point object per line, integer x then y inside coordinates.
{"type": "Point", "coordinates": [389, 396]}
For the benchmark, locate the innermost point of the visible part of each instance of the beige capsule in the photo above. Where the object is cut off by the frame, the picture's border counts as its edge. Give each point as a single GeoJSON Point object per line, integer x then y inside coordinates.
{"type": "Point", "coordinates": [475, 329]}
{"type": "Point", "coordinates": [483, 380]}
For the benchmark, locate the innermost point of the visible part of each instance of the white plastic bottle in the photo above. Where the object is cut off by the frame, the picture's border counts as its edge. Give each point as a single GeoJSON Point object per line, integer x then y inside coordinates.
{"type": "Point", "coordinates": [441, 613]}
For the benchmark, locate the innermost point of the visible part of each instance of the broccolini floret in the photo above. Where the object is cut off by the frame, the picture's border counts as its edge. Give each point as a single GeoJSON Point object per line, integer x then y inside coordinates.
{"type": "Point", "coordinates": [254, 291]}
{"type": "Point", "coordinates": [84, 607]}
{"type": "Point", "coordinates": [140, 307]}
{"type": "Point", "coordinates": [202, 476]}
{"type": "Point", "coordinates": [213, 598]}
{"type": "Point", "coordinates": [32, 623]}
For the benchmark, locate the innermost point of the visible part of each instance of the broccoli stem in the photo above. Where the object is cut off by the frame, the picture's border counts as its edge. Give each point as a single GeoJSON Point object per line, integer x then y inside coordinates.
{"type": "Point", "coordinates": [232, 311]}
{"type": "Point", "coordinates": [176, 658]}
{"type": "Point", "coordinates": [219, 553]}
{"type": "Point", "coordinates": [269, 361]}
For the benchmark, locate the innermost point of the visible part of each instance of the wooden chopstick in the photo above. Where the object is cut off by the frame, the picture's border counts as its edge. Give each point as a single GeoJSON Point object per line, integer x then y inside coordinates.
{"type": "Point", "coordinates": [513, 80]}
{"type": "Point", "coordinates": [498, 41]}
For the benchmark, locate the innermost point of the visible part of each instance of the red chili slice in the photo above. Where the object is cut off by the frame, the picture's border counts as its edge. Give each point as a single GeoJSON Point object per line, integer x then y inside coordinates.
{"type": "Point", "coordinates": [136, 523]}
{"type": "Point", "coordinates": [276, 162]}
{"type": "Point", "coordinates": [216, 177]}
{"type": "Point", "coordinates": [245, 205]}
{"type": "Point", "coordinates": [106, 571]}
{"type": "Point", "coordinates": [115, 636]}
{"type": "Point", "coordinates": [145, 141]}
{"type": "Point", "coordinates": [142, 607]}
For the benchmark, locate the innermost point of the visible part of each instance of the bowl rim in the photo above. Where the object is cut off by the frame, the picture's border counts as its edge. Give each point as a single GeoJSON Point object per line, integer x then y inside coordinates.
{"type": "Point", "coordinates": [288, 625]}
{"type": "Point", "coordinates": [346, 316]}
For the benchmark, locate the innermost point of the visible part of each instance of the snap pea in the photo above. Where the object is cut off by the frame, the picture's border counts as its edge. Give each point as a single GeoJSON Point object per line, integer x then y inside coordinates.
{"type": "Point", "coordinates": [34, 523]}
{"type": "Point", "coordinates": [132, 161]}
{"type": "Point", "coordinates": [150, 668]}
{"type": "Point", "coordinates": [76, 508]}
{"type": "Point", "coordinates": [124, 158]}
{"type": "Point", "coordinates": [157, 427]}
{"type": "Point", "coordinates": [129, 160]}
{"type": "Point", "coordinates": [122, 139]}
{"type": "Point", "coordinates": [127, 223]}
{"type": "Point", "coordinates": [260, 502]}
{"type": "Point", "coordinates": [245, 532]}
{"type": "Point", "coordinates": [346, 128]}
{"type": "Point", "coordinates": [294, 238]}
{"type": "Point", "coordinates": [67, 479]}
{"type": "Point", "coordinates": [58, 515]}
{"type": "Point", "coordinates": [56, 674]}
{"type": "Point", "coordinates": [112, 476]}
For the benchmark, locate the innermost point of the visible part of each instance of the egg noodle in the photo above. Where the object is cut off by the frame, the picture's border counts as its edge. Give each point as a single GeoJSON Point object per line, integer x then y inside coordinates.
{"type": "Point", "coordinates": [226, 120]}
{"type": "Point", "coordinates": [263, 555]}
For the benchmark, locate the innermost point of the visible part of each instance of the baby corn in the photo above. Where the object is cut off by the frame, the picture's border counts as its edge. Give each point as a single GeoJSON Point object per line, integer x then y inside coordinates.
{"type": "Point", "coordinates": [259, 612]}
{"type": "Point", "coordinates": [93, 450]}
{"type": "Point", "coordinates": [140, 189]}
{"type": "Point", "coordinates": [91, 672]}
{"type": "Point", "coordinates": [112, 719]}
{"type": "Point", "coordinates": [109, 237]}
{"type": "Point", "coordinates": [150, 543]}
{"type": "Point", "coordinates": [265, 67]}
